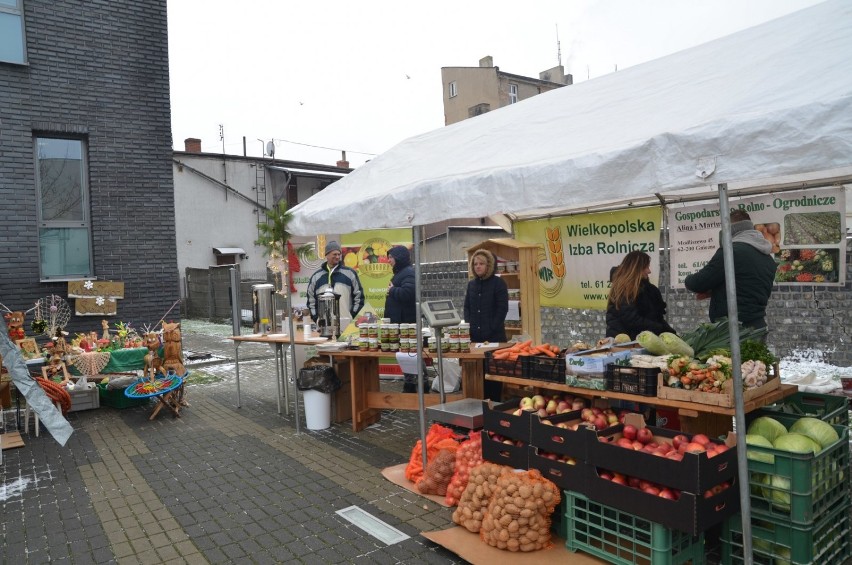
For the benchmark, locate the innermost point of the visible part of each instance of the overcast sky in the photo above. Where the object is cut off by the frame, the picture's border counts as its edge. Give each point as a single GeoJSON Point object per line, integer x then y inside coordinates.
{"type": "Point", "coordinates": [363, 76]}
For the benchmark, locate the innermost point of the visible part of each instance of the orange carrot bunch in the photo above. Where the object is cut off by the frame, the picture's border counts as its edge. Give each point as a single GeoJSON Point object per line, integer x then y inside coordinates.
{"type": "Point", "coordinates": [526, 348]}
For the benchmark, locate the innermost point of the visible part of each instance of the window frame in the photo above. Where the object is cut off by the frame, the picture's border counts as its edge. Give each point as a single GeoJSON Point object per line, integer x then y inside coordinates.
{"type": "Point", "coordinates": [513, 93]}
{"type": "Point", "coordinates": [452, 89]}
{"type": "Point", "coordinates": [17, 10]}
{"type": "Point", "coordinates": [85, 222]}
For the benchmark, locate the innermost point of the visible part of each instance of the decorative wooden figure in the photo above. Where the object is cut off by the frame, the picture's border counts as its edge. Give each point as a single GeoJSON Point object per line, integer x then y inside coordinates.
{"type": "Point", "coordinates": [152, 361]}
{"type": "Point", "coordinates": [172, 349]}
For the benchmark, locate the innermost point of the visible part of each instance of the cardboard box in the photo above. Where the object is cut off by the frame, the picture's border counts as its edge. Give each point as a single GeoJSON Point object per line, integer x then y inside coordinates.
{"type": "Point", "coordinates": [562, 441]}
{"type": "Point", "coordinates": [695, 473]}
{"type": "Point", "coordinates": [498, 419]}
{"type": "Point", "coordinates": [724, 398]}
{"type": "Point", "coordinates": [565, 475]}
{"type": "Point", "coordinates": [593, 361]}
{"type": "Point", "coordinates": [691, 513]}
{"type": "Point", "coordinates": [512, 455]}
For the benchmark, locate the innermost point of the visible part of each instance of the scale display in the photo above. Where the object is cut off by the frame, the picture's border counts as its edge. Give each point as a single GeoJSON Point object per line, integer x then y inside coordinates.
{"type": "Point", "coordinates": [440, 313]}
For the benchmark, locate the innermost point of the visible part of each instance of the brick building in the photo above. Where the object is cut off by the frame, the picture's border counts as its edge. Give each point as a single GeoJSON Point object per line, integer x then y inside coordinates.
{"type": "Point", "coordinates": [86, 154]}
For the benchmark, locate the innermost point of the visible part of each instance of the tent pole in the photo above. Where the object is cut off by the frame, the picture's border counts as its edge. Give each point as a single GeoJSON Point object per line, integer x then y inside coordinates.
{"type": "Point", "coordinates": [418, 292]}
{"type": "Point", "coordinates": [736, 370]}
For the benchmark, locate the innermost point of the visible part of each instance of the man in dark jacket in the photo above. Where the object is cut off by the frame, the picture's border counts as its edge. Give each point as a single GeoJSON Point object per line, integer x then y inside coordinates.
{"type": "Point", "coordinates": [400, 303]}
{"type": "Point", "coordinates": [341, 279]}
{"type": "Point", "coordinates": [754, 273]}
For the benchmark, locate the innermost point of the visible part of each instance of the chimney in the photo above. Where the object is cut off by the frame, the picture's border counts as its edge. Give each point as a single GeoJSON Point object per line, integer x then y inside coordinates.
{"type": "Point", "coordinates": [192, 145]}
{"type": "Point", "coordinates": [487, 61]}
{"type": "Point", "coordinates": [343, 163]}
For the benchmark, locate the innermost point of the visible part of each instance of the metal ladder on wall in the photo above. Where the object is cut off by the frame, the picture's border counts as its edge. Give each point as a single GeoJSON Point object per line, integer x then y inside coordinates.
{"type": "Point", "coordinates": [260, 192]}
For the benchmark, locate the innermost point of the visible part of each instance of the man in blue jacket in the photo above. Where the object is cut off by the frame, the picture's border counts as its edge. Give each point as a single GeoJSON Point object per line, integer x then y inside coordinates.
{"type": "Point", "coordinates": [342, 280]}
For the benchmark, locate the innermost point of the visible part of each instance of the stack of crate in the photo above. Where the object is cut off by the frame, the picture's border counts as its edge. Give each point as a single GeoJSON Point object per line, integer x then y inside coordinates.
{"type": "Point", "coordinates": [802, 516]}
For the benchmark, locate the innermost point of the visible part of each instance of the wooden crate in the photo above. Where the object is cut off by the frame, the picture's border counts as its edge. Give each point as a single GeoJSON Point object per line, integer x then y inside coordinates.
{"type": "Point", "coordinates": [723, 399]}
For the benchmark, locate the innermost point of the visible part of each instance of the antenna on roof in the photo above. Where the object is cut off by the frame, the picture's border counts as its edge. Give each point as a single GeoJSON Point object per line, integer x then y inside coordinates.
{"type": "Point", "coordinates": [558, 47]}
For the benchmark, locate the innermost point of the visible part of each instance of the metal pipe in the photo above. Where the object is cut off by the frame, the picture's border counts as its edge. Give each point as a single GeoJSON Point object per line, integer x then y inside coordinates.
{"type": "Point", "coordinates": [416, 230]}
{"type": "Point", "coordinates": [236, 315]}
{"type": "Point", "coordinates": [736, 369]}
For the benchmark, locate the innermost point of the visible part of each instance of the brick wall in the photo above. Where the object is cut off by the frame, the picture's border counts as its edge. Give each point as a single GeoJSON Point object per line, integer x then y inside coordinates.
{"type": "Point", "coordinates": [98, 70]}
{"type": "Point", "coordinates": [801, 318]}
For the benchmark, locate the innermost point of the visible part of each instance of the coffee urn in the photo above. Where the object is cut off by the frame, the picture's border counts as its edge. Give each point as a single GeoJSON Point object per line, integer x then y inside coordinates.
{"type": "Point", "coordinates": [263, 309]}
{"type": "Point", "coordinates": [328, 314]}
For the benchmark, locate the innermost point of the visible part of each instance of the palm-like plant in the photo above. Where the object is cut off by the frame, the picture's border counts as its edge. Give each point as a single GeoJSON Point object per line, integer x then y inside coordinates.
{"type": "Point", "coordinates": [273, 233]}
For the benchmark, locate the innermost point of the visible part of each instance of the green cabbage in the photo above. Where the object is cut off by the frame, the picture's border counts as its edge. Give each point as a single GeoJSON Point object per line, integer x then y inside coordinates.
{"type": "Point", "coordinates": [780, 493]}
{"type": "Point", "coordinates": [755, 439]}
{"type": "Point", "coordinates": [819, 431]}
{"type": "Point", "coordinates": [770, 428]}
{"type": "Point", "coordinates": [796, 443]}
{"type": "Point", "coordinates": [676, 345]}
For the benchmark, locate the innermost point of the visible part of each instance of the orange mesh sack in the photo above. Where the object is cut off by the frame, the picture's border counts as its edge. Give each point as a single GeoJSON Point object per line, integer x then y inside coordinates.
{"type": "Point", "coordinates": [468, 456]}
{"type": "Point", "coordinates": [518, 516]}
{"type": "Point", "coordinates": [474, 501]}
{"type": "Point", "coordinates": [437, 433]}
{"type": "Point", "coordinates": [439, 472]}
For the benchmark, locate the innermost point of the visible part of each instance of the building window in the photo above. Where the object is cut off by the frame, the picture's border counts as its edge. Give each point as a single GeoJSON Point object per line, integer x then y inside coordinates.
{"type": "Point", "coordinates": [63, 209]}
{"type": "Point", "coordinates": [453, 90]}
{"type": "Point", "coordinates": [513, 93]}
{"type": "Point", "coordinates": [12, 37]}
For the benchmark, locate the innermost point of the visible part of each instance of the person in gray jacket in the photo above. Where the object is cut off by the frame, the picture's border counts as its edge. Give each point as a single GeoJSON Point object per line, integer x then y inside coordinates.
{"type": "Point", "coordinates": [342, 280]}
{"type": "Point", "coordinates": [754, 273]}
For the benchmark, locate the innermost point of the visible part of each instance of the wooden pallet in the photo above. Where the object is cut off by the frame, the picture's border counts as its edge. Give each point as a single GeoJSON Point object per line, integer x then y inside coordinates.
{"type": "Point", "coordinates": [11, 440]}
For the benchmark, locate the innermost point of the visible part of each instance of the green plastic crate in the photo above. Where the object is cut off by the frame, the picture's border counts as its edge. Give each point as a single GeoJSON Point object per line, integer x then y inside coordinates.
{"type": "Point", "coordinates": [825, 542]}
{"type": "Point", "coordinates": [622, 538]}
{"type": "Point", "coordinates": [827, 407]}
{"type": "Point", "coordinates": [809, 484]}
{"type": "Point", "coordinates": [115, 398]}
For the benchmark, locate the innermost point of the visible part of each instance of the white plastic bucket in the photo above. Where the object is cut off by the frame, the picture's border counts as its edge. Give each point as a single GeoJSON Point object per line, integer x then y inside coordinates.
{"type": "Point", "coordinates": [317, 409]}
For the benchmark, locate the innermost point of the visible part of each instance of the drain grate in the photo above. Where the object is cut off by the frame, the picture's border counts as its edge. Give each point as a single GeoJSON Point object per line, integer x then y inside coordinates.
{"type": "Point", "coordinates": [372, 525]}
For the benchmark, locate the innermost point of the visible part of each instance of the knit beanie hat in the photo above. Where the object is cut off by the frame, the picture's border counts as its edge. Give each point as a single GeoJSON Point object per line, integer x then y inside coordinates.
{"type": "Point", "coordinates": [331, 246]}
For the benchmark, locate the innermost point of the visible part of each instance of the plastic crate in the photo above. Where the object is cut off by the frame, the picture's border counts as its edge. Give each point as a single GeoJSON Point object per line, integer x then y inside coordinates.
{"type": "Point", "coordinates": [84, 399]}
{"type": "Point", "coordinates": [825, 542]}
{"type": "Point", "coordinates": [503, 367]}
{"type": "Point", "coordinates": [539, 368]}
{"type": "Point", "coordinates": [809, 484]}
{"type": "Point", "coordinates": [115, 398]}
{"type": "Point", "coordinates": [827, 407]}
{"type": "Point", "coordinates": [631, 380]}
{"type": "Point", "coordinates": [620, 537]}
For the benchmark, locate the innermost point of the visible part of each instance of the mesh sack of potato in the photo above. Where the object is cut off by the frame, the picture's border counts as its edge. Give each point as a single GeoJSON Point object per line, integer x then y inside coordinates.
{"type": "Point", "coordinates": [518, 516]}
{"type": "Point", "coordinates": [468, 456]}
{"type": "Point", "coordinates": [438, 438]}
{"type": "Point", "coordinates": [439, 472]}
{"type": "Point", "coordinates": [474, 501]}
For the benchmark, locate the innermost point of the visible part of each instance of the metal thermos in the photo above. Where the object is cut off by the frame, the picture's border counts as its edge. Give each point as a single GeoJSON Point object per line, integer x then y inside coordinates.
{"type": "Point", "coordinates": [263, 309]}
{"type": "Point", "coordinates": [328, 314]}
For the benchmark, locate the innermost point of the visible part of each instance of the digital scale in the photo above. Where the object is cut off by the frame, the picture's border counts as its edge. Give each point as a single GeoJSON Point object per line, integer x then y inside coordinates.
{"type": "Point", "coordinates": [440, 313]}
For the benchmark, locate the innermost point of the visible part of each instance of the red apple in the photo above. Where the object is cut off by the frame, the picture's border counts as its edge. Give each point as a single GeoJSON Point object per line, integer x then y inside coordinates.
{"type": "Point", "coordinates": [652, 490]}
{"type": "Point", "coordinates": [678, 440]}
{"type": "Point", "coordinates": [694, 447]}
{"type": "Point", "coordinates": [633, 482]}
{"type": "Point", "coordinates": [546, 422]}
{"type": "Point", "coordinates": [587, 414]}
{"type": "Point", "coordinates": [721, 448]}
{"type": "Point", "coordinates": [665, 447]}
{"type": "Point", "coordinates": [644, 435]}
{"type": "Point", "coordinates": [619, 479]}
{"type": "Point", "coordinates": [629, 432]}
{"type": "Point", "coordinates": [600, 422]}
{"type": "Point", "coordinates": [701, 438]}
{"type": "Point", "coordinates": [666, 493]}
{"type": "Point", "coordinates": [596, 410]}
{"type": "Point", "coordinates": [638, 445]}
{"type": "Point", "coordinates": [674, 455]}
{"type": "Point", "coordinates": [577, 404]}
{"type": "Point", "coordinates": [542, 413]}
{"type": "Point", "coordinates": [624, 442]}
{"type": "Point", "coordinates": [607, 476]}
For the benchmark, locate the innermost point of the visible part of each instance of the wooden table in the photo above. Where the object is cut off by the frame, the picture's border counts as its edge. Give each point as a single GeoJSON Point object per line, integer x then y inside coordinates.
{"type": "Point", "coordinates": [695, 417]}
{"type": "Point", "coordinates": [368, 400]}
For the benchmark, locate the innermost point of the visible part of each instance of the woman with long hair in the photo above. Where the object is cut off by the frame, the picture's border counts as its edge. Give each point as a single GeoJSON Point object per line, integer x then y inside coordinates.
{"type": "Point", "coordinates": [635, 304]}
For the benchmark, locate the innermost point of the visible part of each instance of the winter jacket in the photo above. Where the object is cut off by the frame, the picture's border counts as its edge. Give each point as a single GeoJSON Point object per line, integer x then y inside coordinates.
{"type": "Point", "coordinates": [647, 312]}
{"type": "Point", "coordinates": [754, 273]}
{"type": "Point", "coordinates": [400, 302]}
{"type": "Point", "coordinates": [486, 303]}
{"type": "Point", "coordinates": [344, 282]}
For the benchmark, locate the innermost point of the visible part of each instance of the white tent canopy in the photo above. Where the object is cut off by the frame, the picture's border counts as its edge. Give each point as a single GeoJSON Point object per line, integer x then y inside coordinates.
{"type": "Point", "coordinates": [767, 102]}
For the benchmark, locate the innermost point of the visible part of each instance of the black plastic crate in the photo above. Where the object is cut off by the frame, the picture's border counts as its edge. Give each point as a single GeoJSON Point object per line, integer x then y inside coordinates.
{"type": "Point", "coordinates": [503, 367]}
{"type": "Point", "coordinates": [631, 380]}
{"type": "Point", "coordinates": [541, 368]}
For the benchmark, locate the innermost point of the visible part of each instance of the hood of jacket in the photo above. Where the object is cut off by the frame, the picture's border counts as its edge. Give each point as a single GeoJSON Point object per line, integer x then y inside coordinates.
{"type": "Point", "coordinates": [490, 263]}
{"type": "Point", "coordinates": [744, 232]}
{"type": "Point", "coordinates": [401, 257]}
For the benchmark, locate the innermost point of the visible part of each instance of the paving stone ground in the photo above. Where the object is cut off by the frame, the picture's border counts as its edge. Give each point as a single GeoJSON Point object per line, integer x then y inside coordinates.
{"type": "Point", "coordinates": [221, 484]}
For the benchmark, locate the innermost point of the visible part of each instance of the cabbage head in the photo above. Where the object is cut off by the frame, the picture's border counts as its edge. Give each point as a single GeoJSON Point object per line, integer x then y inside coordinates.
{"type": "Point", "coordinates": [770, 428]}
{"type": "Point", "coordinates": [796, 443]}
{"type": "Point", "coordinates": [819, 431]}
{"type": "Point", "coordinates": [753, 454]}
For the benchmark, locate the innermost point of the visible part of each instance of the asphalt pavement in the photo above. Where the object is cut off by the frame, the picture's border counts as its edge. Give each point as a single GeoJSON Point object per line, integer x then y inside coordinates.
{"type": "Point", "coordinates": [220, 484]}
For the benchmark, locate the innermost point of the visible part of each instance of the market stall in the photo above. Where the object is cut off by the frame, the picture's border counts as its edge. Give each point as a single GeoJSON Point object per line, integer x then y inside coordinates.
{"type": "Point", "coordinates": [702, 124]}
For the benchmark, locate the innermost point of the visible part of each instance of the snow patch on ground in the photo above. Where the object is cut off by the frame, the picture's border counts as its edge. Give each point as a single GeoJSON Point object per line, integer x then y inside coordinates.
{"type": "Point", "coordinates": [803, 362]}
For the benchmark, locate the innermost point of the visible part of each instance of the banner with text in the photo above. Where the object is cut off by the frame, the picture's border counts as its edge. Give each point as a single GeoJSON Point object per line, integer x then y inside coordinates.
{"type": "Point", "coordinates": [577, 252]}
{"type": "Point", "coordinates": [806, 229]}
